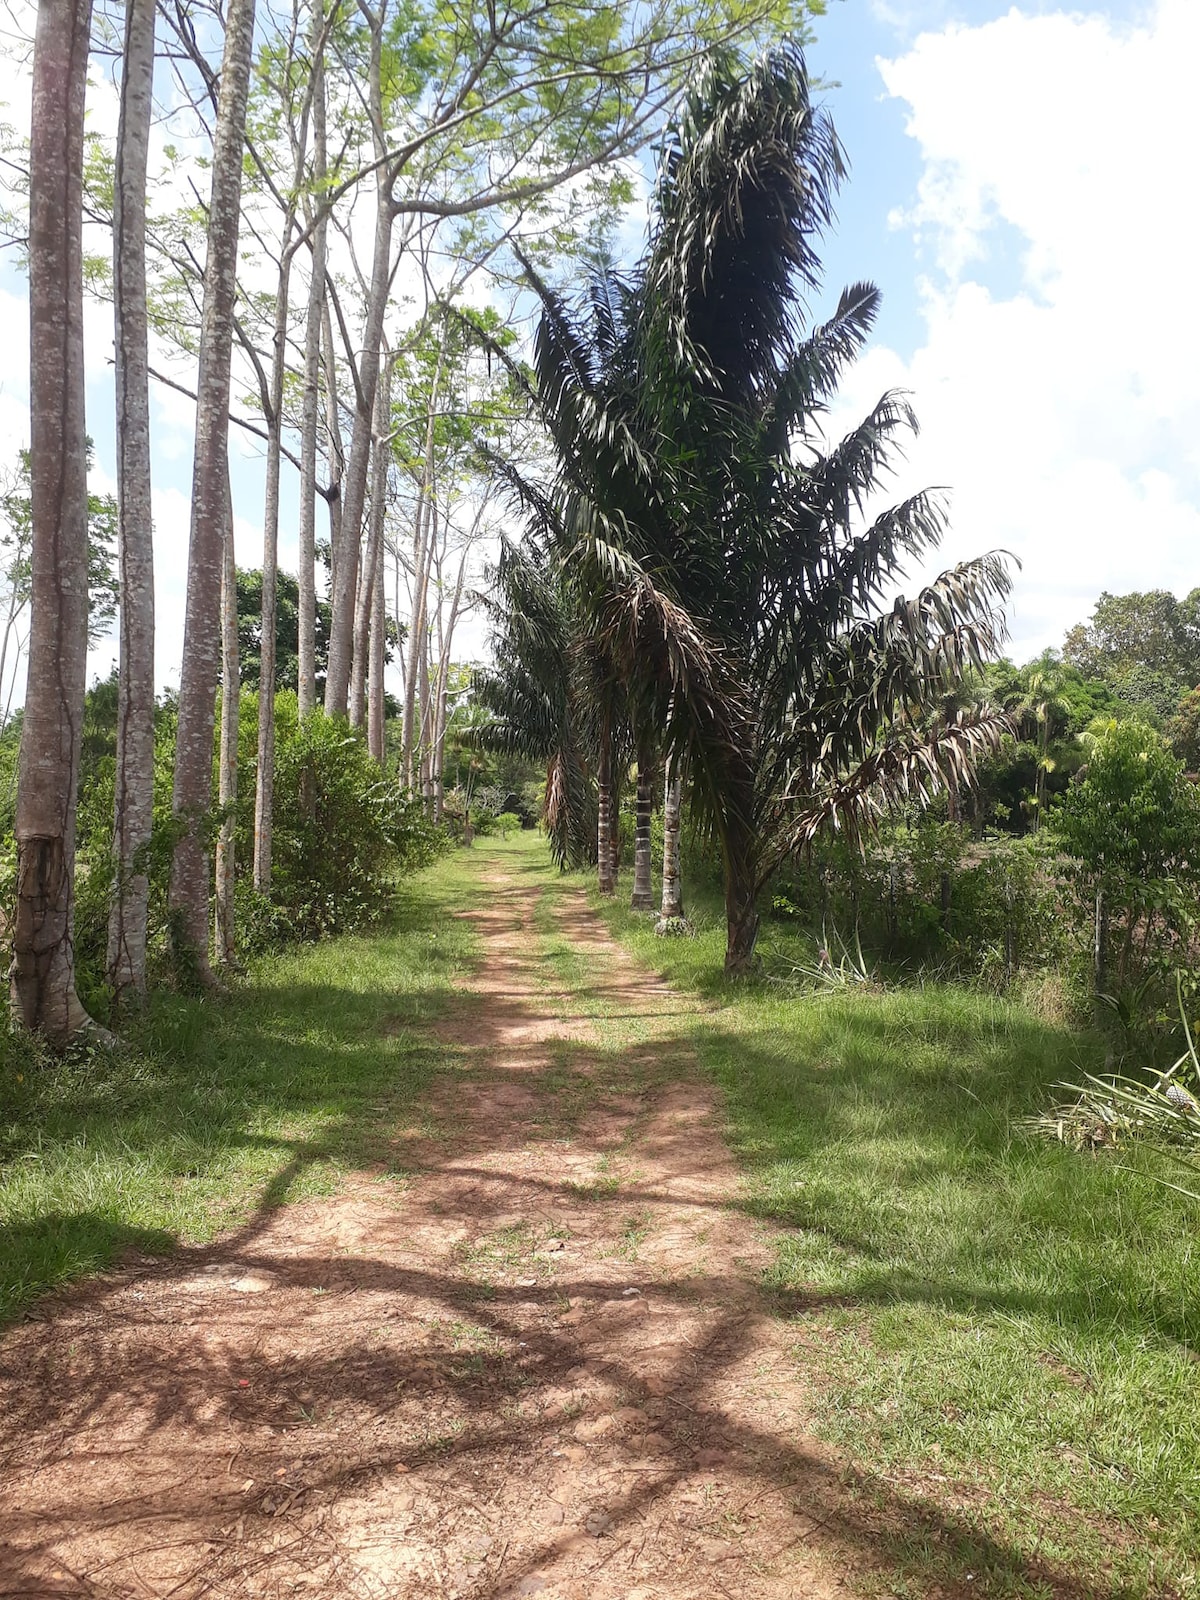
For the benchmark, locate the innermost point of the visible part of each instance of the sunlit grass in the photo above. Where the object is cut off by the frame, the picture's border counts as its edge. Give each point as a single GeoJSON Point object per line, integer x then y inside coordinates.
{"type": "Point", "coordinates": [222, 1107]}
{"type": "Point", "coordinates": [989, 1318]}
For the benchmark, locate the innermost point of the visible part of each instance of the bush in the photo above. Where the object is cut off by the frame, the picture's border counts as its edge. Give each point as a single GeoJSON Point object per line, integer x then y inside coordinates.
{"type": "Point", "coordinates": [342, 834]}
{"type": "Point", "coordinates": [923, 891]}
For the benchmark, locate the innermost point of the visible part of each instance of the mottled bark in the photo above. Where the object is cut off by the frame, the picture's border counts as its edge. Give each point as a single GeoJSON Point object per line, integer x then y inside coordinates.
{"type": "Point", "coordinates": [642, 898]}
{"type": "Point", "coordinates": [264, 782]}
{"type": "Point", "coordinates": [424, 534]}
{"type": "Point", "coordinates": [227, 784]}
{"type": "Point", "coordinates": [606, 823]}
{"type": "Point", "coordinates": [672, 884]}
{"type": "Point", "coordinates": [376, 709]}
{"type": "Point", "coordinates": [373, 554]}
{"type": "Point", "coordinates": [43, 968]}
{"type": "Point", "coordinates": [336, 470]}
{"type": "Point", "coordinates": [134, 794]}
{"type": "Point", "coordinates": [354, 489]}
{"type": "Point", "coordinates": [192, 795]}
{"type": "Point", "coordinates": [310, 402]}
{"type": "Point", "coordinates": [443, 684]}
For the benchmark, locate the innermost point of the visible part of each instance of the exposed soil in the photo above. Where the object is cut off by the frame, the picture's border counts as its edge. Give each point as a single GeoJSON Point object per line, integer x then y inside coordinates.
{"type": "Point", "coordinates": [541, 1365]}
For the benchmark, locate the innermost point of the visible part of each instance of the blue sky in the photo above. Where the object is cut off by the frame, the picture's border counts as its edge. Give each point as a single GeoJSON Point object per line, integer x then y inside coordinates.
{"type": "Point", "coordinates": [1022, 188]}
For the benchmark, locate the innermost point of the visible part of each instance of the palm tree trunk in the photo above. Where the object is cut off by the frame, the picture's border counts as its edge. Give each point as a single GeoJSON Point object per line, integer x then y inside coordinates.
{"type": "Point", "coordinates": [672, 885]}
{"type": "Point", "coordinates": [605, 853]}
{"type": "Point", "coordinates": [642, 898]}
{"type": "Point", "coordinates": [741, 895]}
{"type": "Point", "coordinates": [192, 795]}
{"type": "Point", "coordinates": [134, 790]}
{"type": "Point", "coordinates": [43, 968]}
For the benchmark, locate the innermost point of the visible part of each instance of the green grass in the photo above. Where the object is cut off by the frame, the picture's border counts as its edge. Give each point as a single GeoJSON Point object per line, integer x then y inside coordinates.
{"type": "Point", "coordinates": [223, 1108]}
{"type": "Point", "coordinates": [1001, 1334]}
{"type": "Point", "coordinates": [996, 1324]}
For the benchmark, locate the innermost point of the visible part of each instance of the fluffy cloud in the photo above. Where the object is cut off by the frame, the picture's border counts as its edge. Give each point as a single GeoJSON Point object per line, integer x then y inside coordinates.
{"type": "Point", "coordinates": [1065, 412]}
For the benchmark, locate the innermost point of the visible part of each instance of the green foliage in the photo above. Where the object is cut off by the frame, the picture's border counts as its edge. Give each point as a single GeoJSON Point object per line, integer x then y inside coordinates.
{"type": "Point", "coordinates": [508, 822]}
{"type": "Point", "coordinates": [343, 834]}
{"type": "Point", "coordinates": [713, 536]}
{"type": "Point", "coordinates": [287, 632]}
{"type": "Point", "coordinates": [1134, 817]}
{"type": "Point", "coordinates": [16, 530]}
{"type": "Point", "coordinates": [1153, 634]}
{"type": "Point", "coordinates": [924, 893]}
{"type": "Point", "coordinates": [1183, 731]}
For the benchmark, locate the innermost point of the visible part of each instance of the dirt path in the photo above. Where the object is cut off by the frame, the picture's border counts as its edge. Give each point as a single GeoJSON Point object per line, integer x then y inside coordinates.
{"type": "Point", "coordinates": [542, 1366]}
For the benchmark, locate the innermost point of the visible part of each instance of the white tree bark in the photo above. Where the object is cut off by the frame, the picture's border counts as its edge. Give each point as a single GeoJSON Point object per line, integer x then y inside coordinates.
{"type": "Point", "coordinates": [307, 667]}
{"type": "Point", "coordinates": [134, 804]}
{"type": "Point", "coordinates": [346, 565]}
{"type": "Point", "coordinates": [227, 781]}
{"type": "Point", "coordinates": [192, 795]}
{"type": "Point", "coordinates": [443, 681]}
{"type": "Point", "coordinates": [373, 555]}
{"type": "Point", "coordinates": [264, 785]}
{"type": "Point", "coordinates": [376, 709]}
{"type": "Point", "coordinates": [43, 969]}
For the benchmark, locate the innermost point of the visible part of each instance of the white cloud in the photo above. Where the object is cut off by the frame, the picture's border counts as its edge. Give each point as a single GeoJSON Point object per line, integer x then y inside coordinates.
{"type": "Point", "coordinates": [1065, 414]}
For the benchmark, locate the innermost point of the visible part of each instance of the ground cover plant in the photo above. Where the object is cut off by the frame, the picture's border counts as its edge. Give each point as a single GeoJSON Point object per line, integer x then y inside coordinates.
{"type": "Point", "coordinates": [219, 1108]}
{"type": "Point", "coordinates": [990, 1317]}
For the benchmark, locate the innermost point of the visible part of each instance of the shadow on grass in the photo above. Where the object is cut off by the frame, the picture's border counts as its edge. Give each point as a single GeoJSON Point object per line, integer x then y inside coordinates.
{"type": "Point", "coordinates": [352, 1060]}
{"type": "Point", "coordinates": [221, 1105]}
{"type": "Point", "coordinates": [272, 1401]}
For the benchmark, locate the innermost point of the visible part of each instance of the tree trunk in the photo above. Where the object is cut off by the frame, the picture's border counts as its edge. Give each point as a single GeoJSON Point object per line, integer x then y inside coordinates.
{"type": "Point", "coordinates": [306, 681]}
{"type": "Point", "coordinates": [443, 680]}
{"type": "Point", "coordinates": [43, 968]}
{"type": "Point", "coordinates": [424, 533]}
{"type": "Point", "coordinates": [373, 555]}
{"type": "Point", "coordinates": [605, 821]}
{"type": "Point", "coordinates": [333, 430]}
{"type": "Point", "coordinates": [377, 644]}
{"type": "Point", "coordinates": [642, 898]}
{"type": "Point", "coordinates": [231, 687]}
{"type": "Point", "coordinates": [672, 886]}
{"type": "Point", "coordinates": [345, 576]}
{"type": "Point", "coordinates": [134, 798]}
{"type": "Point", "coordinates": [741, 894]}
{"type": "Point", "coordinates": [192, 796]}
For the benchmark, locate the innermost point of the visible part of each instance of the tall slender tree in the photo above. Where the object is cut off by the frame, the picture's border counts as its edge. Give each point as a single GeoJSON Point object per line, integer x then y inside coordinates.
{"type": "Point", "coordinates": [192, 793]}
{"type": "Point", "coordinates": [43, 969]}
{"type": "Point", "coordinates": [314, 316]}
{"type": "Point", "coordinates": [224, 921]}
{"type": "Point", "coordinates": [134, 802]}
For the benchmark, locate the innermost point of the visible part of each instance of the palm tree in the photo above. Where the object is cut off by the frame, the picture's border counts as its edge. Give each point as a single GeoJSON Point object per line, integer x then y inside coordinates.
{"type": "Point", "coordinates": [531, 692]}
{"type": "Point", "coordinates": [1043, 704]}
{"type": "Point", "coordinates": [717, 538]}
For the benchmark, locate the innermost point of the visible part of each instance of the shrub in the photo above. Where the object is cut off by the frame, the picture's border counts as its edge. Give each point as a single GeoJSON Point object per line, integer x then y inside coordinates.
{"type": "Point", "coordinates": [342, 834]}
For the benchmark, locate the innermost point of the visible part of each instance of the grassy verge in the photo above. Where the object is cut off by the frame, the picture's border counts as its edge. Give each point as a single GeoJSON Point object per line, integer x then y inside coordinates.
{"type": "Point", "coordinates": [220, 1108]}
{"type": "Point", "coordinates": [998, 1328]}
